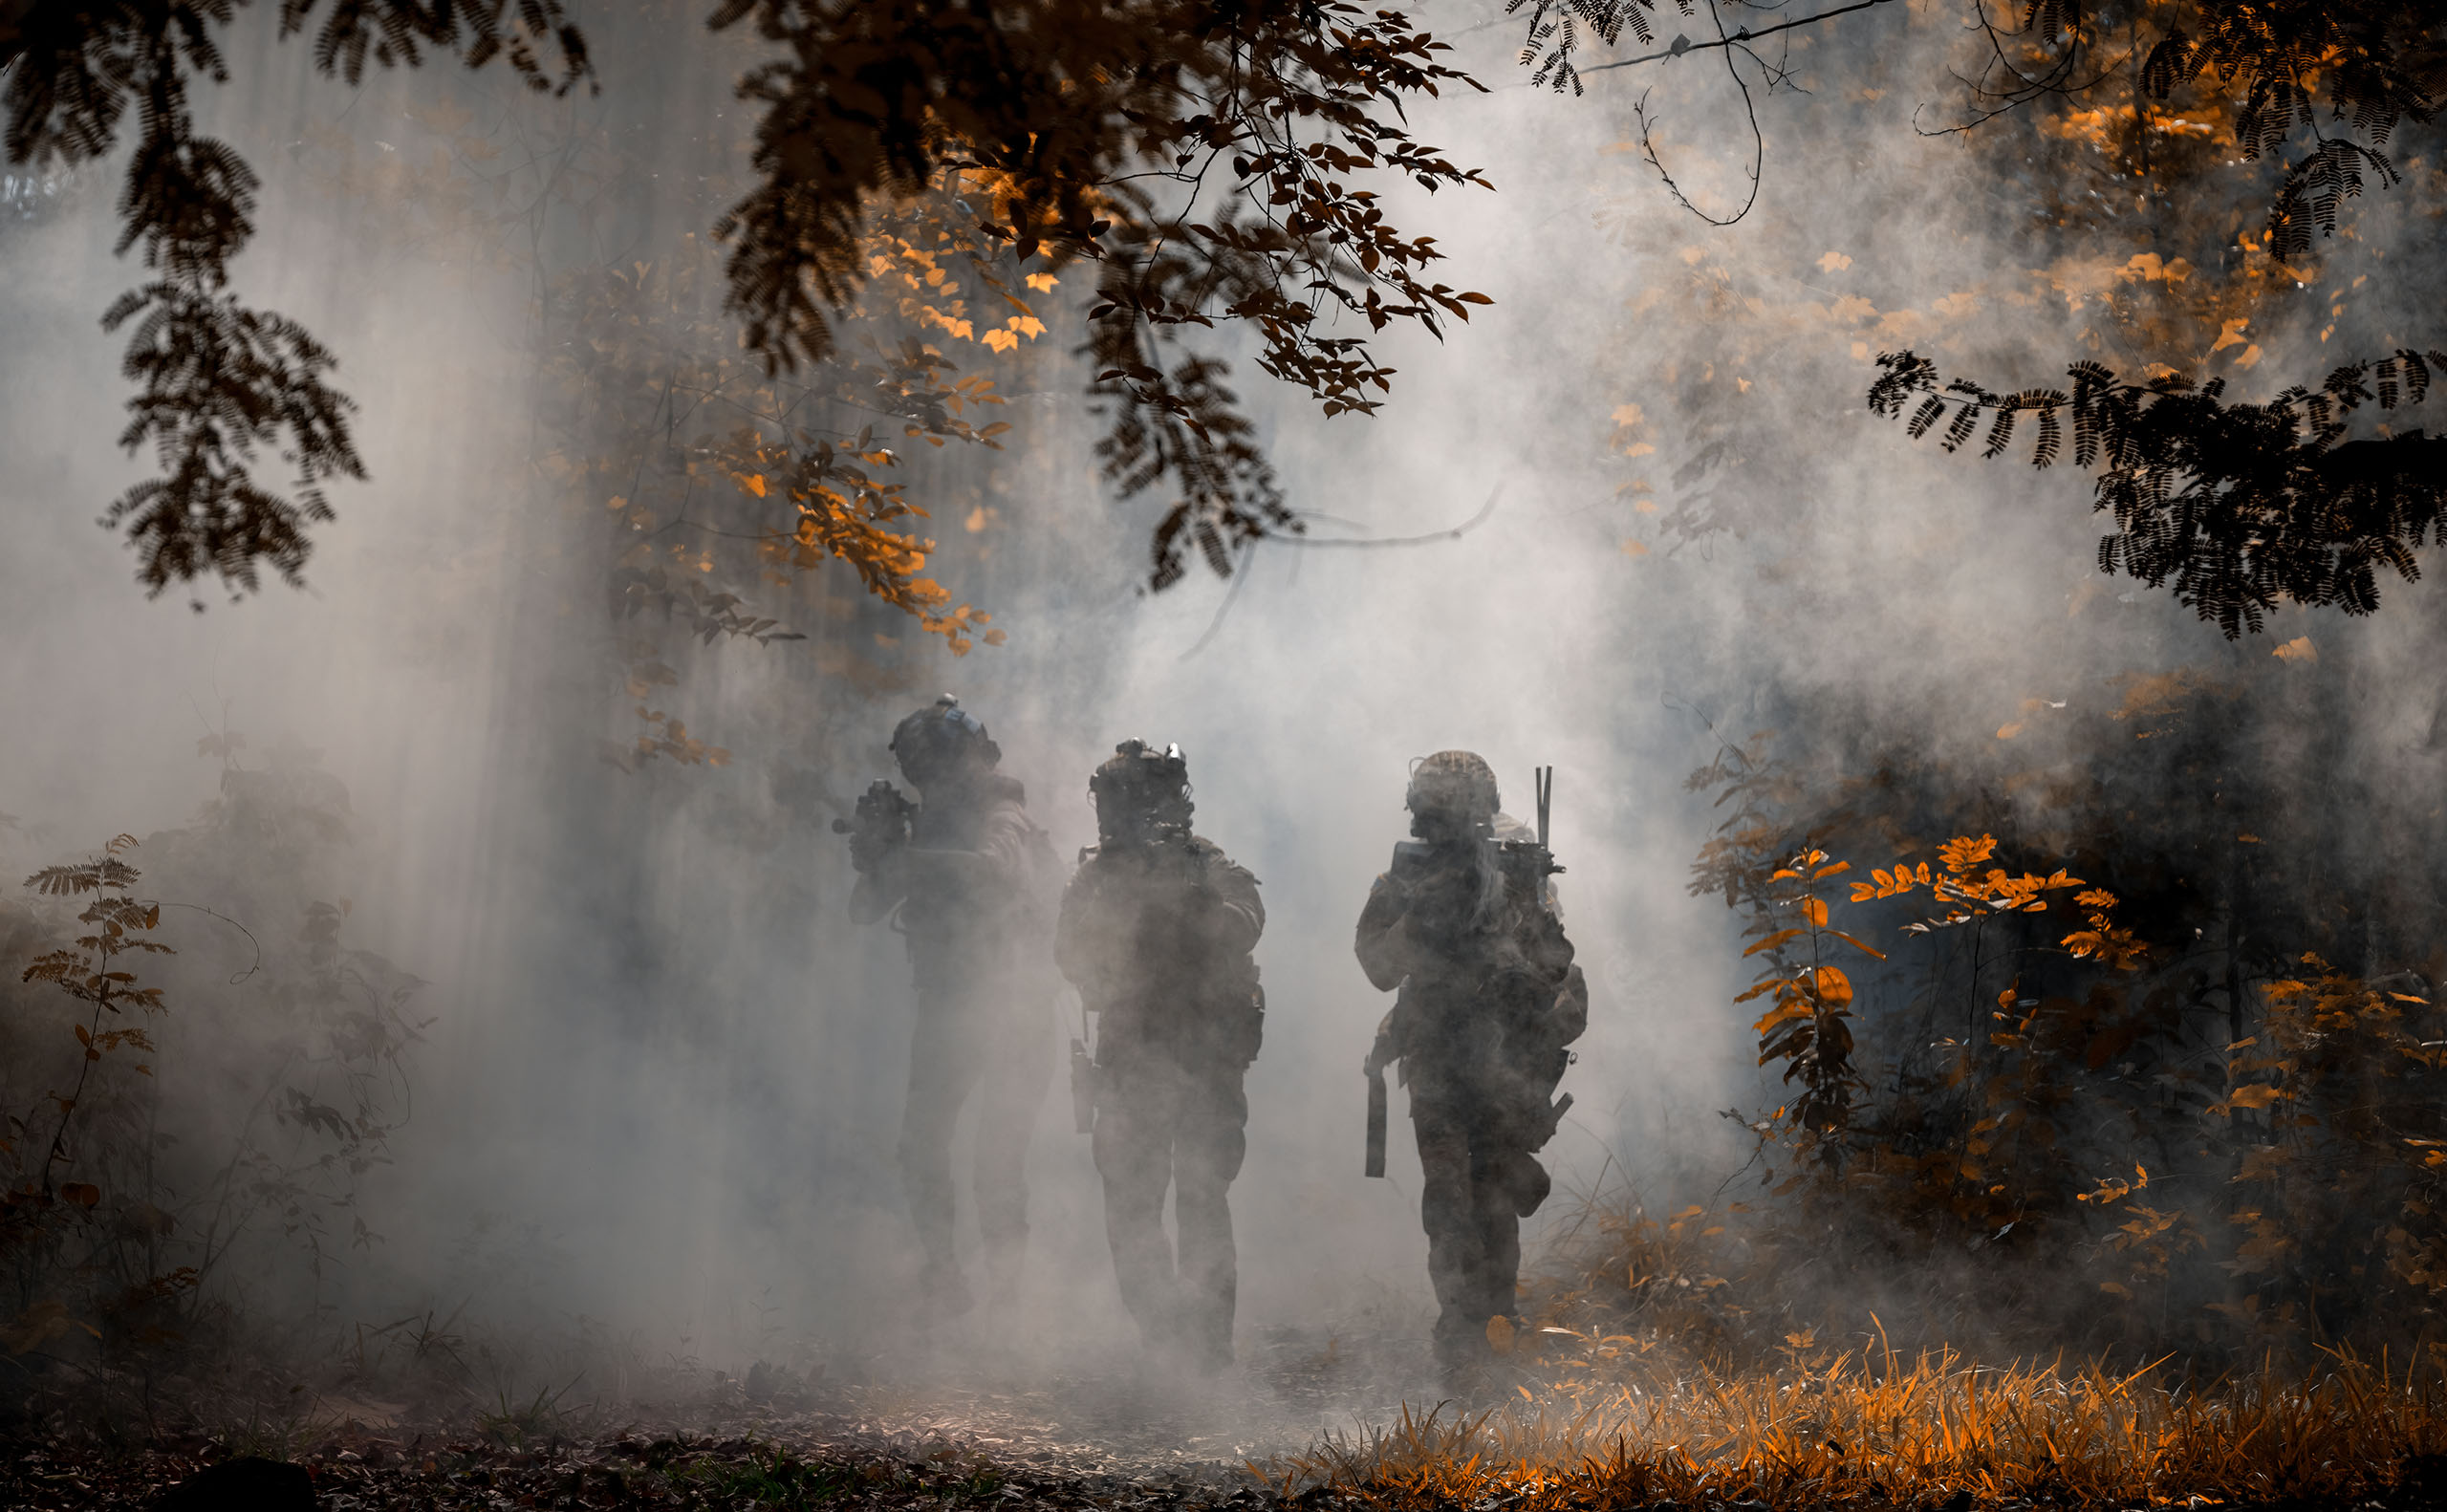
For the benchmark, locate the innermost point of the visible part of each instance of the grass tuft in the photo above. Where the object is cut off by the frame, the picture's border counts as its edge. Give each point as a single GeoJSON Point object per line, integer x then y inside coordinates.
{"type": "Point", "coordinates": [1874, 1430]}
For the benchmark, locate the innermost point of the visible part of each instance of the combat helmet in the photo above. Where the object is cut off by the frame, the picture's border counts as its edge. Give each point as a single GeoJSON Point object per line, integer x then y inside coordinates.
{"type": "Point", "coordinates": [1459, 784]}
{"type": "Point", "coordinates": [943, 738]}
{"type": "Point", "coordinates": [1141, 794]}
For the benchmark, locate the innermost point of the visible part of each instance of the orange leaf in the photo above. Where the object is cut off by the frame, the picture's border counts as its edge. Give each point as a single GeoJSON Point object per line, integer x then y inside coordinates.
{"type": "Point", "coordinates": [1772, 941]}
{"type": "Point", "coordinates": [1781, 1013]}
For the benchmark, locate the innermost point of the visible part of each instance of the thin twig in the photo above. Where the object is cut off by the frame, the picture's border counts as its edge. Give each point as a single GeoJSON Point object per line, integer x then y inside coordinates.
{"type": "Point", "coordinates": [1248, 549]}
{"type": "Point", "coordinates": [1683, 45]}
{"type": "Point", "coordinates": [232, 923]}
{"type": "Point", "coordinates": [1240, 575]}
{"type": "Point", "coordinates": [1455, 532]}
{"type": "Point", "coordinates": [1750, 109]}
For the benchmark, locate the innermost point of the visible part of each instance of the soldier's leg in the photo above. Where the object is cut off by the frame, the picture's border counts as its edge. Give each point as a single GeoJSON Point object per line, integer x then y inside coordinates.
{"type": "Point", "coordinates": [1207, 1151]}
{"type": "Point", "coordinates": [944, 1064]}
{"type": "Point", "coordinates": [1448, 1213]}
{"type": "Point", "coordinates": [1134, 1144]}
{"type": "Point", "coordinates": [1010, 1091]}
{"type": "Point", "coordinates": [1496, 1222]}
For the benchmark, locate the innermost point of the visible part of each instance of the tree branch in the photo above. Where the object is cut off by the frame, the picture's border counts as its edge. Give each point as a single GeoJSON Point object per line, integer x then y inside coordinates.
{"type": "Point", "coordinates": [1683, 45]}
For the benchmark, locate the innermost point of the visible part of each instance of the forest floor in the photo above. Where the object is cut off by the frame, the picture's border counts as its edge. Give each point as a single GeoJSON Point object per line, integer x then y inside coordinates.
{"type": "Point", "coordinates": [1340, 1423]}
{"type": "Point", "coordinates": [954, 1436]}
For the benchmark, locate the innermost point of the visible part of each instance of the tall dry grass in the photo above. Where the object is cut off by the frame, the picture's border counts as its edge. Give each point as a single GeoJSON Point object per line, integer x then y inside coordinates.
{"type": "Point", "coordinates": [1874, 1430]}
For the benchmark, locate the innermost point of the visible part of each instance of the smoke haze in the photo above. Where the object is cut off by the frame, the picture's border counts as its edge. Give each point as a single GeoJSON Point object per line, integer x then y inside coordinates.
{"type": "Point", "coordinates": [661, 1091]}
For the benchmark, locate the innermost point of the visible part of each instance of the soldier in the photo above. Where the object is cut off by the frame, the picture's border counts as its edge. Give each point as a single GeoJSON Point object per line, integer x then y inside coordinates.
{"type": "Point", "coordinates": [1156, 931]}
{"type": "Point", "coordinates": [1466, 925]}
{"type": "Point", "coordinates": [968, 872]}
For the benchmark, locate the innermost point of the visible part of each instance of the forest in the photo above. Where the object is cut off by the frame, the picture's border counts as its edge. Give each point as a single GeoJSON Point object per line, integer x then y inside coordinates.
{"type": "Point", "coordinates": [1946, 486]}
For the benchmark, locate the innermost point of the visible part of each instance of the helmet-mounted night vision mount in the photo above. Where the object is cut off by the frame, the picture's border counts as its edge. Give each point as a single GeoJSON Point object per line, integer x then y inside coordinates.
{"type": "Point", "coordinates": [1141, 794]}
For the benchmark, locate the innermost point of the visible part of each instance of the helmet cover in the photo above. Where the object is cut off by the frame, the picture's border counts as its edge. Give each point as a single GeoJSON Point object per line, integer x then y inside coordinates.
{"type": "Point", "coordinates": [1457, 784]}
{"type": "Point", "coordinates": [940, 738]}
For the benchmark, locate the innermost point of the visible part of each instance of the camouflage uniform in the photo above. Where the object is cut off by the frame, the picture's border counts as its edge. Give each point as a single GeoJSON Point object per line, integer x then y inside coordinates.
{"type": "Point", "coordinates": [1157, 932]}
{"type": "Point", "coordinates": [1488, 1001]}
{"type": "Point", "coordinates": [968, 886]}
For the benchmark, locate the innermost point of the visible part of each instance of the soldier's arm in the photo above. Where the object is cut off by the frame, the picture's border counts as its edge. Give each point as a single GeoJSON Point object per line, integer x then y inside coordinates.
{"type": "Point", "coordinates": [1239, 913]}
{"type": "Point", "coordinates": [997, 868]}
{"type": "Point", "coordinates": [1382, 944]}
{"type": "Point", "coordinates": [1567, 1016]}
{"type": "Point", "coordinates": [1003, 851]}
{"type": "Point", "coordinates": [1087, 947]}
{"type": "Point", "coordinates": [1545, 943]}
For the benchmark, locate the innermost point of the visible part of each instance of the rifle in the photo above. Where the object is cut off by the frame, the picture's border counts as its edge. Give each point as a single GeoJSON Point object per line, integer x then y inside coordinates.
{"type": "Point", "coordinates": [1545, 1124]}
{"type": "Point", "coordinates": [1376, 1160]}
{"type": "Point", "coordinates": [1374, 1069]}
{"type": "Point", "coordinates": [1529, 863]}
{"type": "Point", "coordinates": [881, 826]}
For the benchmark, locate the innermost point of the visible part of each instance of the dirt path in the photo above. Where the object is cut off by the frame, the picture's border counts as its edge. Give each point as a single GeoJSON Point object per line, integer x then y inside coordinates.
{"type": "Point", "coordinates": [962, 1436]}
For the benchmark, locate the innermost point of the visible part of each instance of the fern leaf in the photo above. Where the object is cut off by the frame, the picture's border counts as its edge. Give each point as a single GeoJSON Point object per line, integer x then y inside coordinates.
{"type": "Point", "coordinates": [2050, 440]}
{"type": "Point", "coordinates": [1960, 431]}
{"type": "Point", "coordinates": [2000, 433]}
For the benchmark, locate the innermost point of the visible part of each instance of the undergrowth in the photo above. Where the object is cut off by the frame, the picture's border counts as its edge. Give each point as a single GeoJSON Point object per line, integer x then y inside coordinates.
{"type": "Point", "coordinates": [1869, 1428]}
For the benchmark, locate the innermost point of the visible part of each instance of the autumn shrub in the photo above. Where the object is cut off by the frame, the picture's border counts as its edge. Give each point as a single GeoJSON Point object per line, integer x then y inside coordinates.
{"type": "Point", "coordinates": [2058, 1051]}
{"type": "Point", "coordinates": [189, 1124]}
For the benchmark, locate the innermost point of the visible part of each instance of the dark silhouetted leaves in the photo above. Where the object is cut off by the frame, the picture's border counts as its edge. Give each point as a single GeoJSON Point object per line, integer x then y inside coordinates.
{"type": "Point", "coordinates": [217, 380]}
{"type": "Point", "coordinates": [2240, 506]}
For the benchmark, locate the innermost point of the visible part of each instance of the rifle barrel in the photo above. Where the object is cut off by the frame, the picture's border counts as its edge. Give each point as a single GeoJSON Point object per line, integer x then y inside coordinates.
{"type": "Point", "coordinates": [1374, 1162]}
